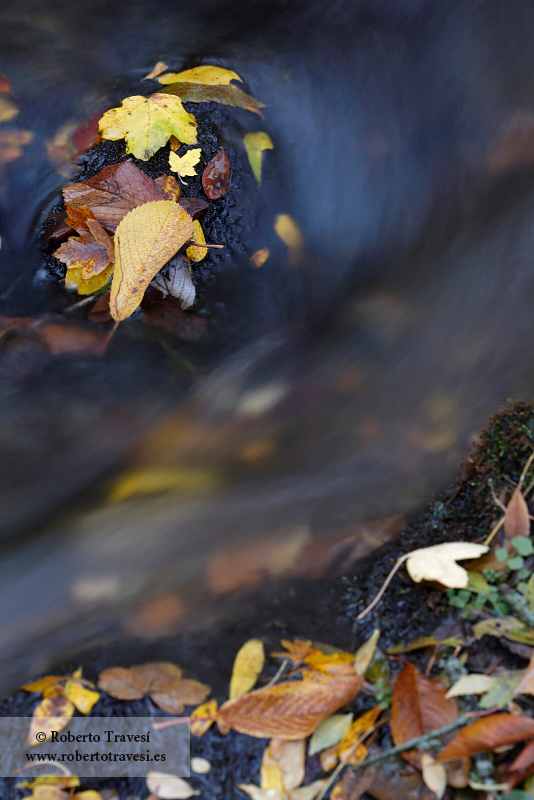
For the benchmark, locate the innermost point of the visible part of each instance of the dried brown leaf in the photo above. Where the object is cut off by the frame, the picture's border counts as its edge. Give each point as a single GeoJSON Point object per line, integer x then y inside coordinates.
{"type": "Point", "coordinates": [487, 733]}
{"type": "Point", "coordinates": [216, 176]}
{"type": "Point", "coordinates": [516, 519]}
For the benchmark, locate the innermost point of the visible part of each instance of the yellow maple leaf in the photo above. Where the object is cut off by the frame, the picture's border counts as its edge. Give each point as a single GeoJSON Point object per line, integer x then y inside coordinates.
{"type": "Point", "coordinates": [205, 74]}
{"type": "Point", "coordinates": [146, 238]}
{"type": "Point", "coordinates": [255, 144]}
{"type": "Point", "coordinates": [185, 165]}
{"type": "Point", "coordinates": [147, 123]}
{"type": "Point", "coordinates": [248, 664]}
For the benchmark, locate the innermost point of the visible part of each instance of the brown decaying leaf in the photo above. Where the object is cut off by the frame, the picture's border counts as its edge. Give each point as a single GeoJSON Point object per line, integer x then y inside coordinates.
{"type": "Point", "coordinates": [292, 709]}
{"type": "Point", "coordinates": [169, 186]}
{"type": "Point", "coordinates": [169, 316]}
{"type": "Point", "coordinates": [194, 206]}
{"type": "Point", "coordinates": [161, 680]}
{"type": "Point", "coordinates": [296, 651]}
{"type": "Point", "coordinates": [113, 192]}
{"type": "Point", "coordinates": [346, 750]}
{"type": "Point", "coordinates": [516, 519]}
{"type": "Point", "coordinates": [418, 706]}
{"type": "Point", "coordinates": [526, 684]}
{"type": "Point", "coordinates": [100, 311]}
{"type": "Point", "coordinates": [486, 733]}
{"type": "Point", "coordinates": [92, 250]}
{"type": "Point", "coordinates": [216, 176]}
{"type": "Point", "coordinates": [226, 95]}
{"type": "Point", "coordinates": [145, 240]}
{"type": "Point", "coordinates": [5, 84]}
{"type": "Point", "coordinates": [522, 767]}
{"type": "Point", "coordinates": [283, 765]}
{"type": "Point", "coordinates": [8, 109]}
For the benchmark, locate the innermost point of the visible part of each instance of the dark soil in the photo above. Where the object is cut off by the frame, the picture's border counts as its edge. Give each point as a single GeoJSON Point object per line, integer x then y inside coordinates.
{"type": "Point", "coordinates": [324, 611]}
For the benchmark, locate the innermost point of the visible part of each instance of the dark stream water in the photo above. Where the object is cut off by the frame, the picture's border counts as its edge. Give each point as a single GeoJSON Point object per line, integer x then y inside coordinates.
{"type": "Point", "coordinates": [340, 389]}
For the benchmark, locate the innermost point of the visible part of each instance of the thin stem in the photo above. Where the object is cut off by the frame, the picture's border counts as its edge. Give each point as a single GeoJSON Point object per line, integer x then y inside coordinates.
{"type": "Point", "coordinates": [278, 674]}
{"type": "Point", "coordinates": [80, 304]}
{"type": "Point", "coordinates": [495, 530]}
{"type": "Point", "coordinates": [210, 246]}
{"type": "Point", "coordinates": [385, 585]}
{"type": "Point", "coordinates": [169, 722]}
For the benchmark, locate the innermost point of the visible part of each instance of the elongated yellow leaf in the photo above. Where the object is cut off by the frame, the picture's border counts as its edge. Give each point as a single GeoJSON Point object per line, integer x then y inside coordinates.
{"type": "Point", "coordinates": [197, 253]}
{"type": "Point", "coordinates": [147, 123]}
{"type": "Point", "coordinates": [255, 144]}
{"type": "Point", "coordinates": [185, 165]}
{"type": "Point", "coordinates": [145, 240]}
{"type": "Point", "coordinates": [248, 664]}
{"type": "Point", "coordinates": [206, 74]}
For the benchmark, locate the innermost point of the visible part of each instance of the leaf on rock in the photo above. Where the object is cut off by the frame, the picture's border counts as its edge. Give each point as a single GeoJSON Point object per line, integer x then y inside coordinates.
{"type": "Point", "coordinates": [176, 280]}
{"type": "Point", "coordinates": [418, 706]}
{"type": "Point", "coordinates": [197, 253]}
{"type": "Point", "coordinates": [42, 684]}
{"type": "Point", "coordinates": [486, 734]}
{"type": "Point", "coordinates": [124, 684]}
{"type": "Point", "coordinates": [162, 680]}
{"type": "Point", "coordinates": [113, 192]}
{"type": "Point", "coordinates": [248, 664]}
{"type": "Point", "coordinates": [292, 709]}
{"type": "Point", "coordinates": [216, 176]}
{"type": "Point", "coordinates": [205, 74]}
{"type": "Point", "coordinates": [185, 165]}
{"type": "Point", "coordinates": [516, 518]}
{"type": "Point", "coordinates": [81, 698]}
{"type": "Point", "coordinates": [147, 123]}
{"type": "Point", "coordinates": [145, 240]}
{"type": "Point", "coordinates": [255, 144]}
{"type": "Point", "coordinates": [170, 187]}
{"type": "Point", "coordinates": [225, 95]}
{"type": "Point", "coordinates": [203, 717]}
{"type": "Point", "coordinates": [471, 684]}
{"type": "Point", "coordinates": [169, 787]}
{"type": "Point", "coordinates": [92, 251]}
{"type": "Point", "coordinates": [52, 714]}
{"type": "Point", "coordinates": [160, 67]}
{"type": "Point", "coordinates": [438, 563]}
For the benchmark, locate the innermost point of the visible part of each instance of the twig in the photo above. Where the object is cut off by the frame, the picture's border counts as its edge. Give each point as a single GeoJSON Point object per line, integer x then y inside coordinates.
{"type": "Point", "coordinates": [283, 665]}
{"type": "Point", "coordinates": [426, 738]}
{"type": "Point", "coordinates": [385, 585]}
{"type": "Point", "coordinates": [209, 246]}
{"type": "Point", "coordinates": [80, 304]}
{"type": "Point", "coordinates": [169, 722]}
{"type": "Point", "coordinates": [525, 470]}
{"type": "Point", "coordinates": [495, 530]}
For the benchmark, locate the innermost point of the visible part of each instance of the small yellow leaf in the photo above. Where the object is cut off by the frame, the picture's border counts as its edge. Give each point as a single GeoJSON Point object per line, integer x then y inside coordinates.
{"type": "Point", "coordinates": [169, 787]}
{"type": "Point", "coordinates": [365, 654]}
{"type": "Point", "coordinates": [147, 123]}
{"type": "Point", "coordinates": [43, 683]}
{"type": "Point", "coordinates": [438, 563]}
{"type": "Point", "coordinates": [74, 281]}
{"type": "Point", "coordinates": [88, 794]}
{"type": "Point", "coordinates": [155, 480]}
{"type": "Point", "coordinates": [185, 165]}
{"type": "Point", "coordinates": [203, 717]}
{"type": "Point", "coordinates": [197, 253]}
{"type": "Point", "coordinates": [206, 74]}
{"type": "Point", "coordinates": [255, 144]}
{"type": "Point", "coordinates": [260, 257]}
{"type": "Point", "coordinates": [289, 232]}
{"type": "Point", "coordinates": [145, 239]}
{"type": "Point", "coordinates": [160, 67]}
{"type": "Point", "coordinates": [247, 666]}
{"type": "Point", "coordinates": [52, 714]}
{"type": "Point", "coordinates": [80, 697]}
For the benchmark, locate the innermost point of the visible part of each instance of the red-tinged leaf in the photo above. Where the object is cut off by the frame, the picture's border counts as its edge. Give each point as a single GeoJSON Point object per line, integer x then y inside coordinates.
{"type": "Point", "coordinates": [113, 192]}
{"type": "Point", "coordinates": [419, 706]}
{"type": "Point", "coordinates": [5, 85]}
{"type": "Point", "coordinates": [194, 206]}
{"type": "Point", "coordinates": [516, 519]}
{"type": "Point", "coordinates": [216, 176]}
{"type": "Point", "coordinates": [169, 186]}
{"type": "Point", "coordinates": [86, 134]}
{"type": "Point", "coordinates": [522, 767]}
{"type": "Point", "coordinates": [92, 251]}
{"type": "Point", "coordinates": [487, 733]}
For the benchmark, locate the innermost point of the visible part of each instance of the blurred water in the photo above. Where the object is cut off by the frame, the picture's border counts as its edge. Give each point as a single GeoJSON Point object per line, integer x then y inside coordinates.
{"type": "Point", "coordinates": [404, 134]}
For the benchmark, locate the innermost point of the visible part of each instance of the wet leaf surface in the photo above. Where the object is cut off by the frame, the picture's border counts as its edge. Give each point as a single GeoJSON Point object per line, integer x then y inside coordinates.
{"type": "Point", "coordinates": [216, 176]}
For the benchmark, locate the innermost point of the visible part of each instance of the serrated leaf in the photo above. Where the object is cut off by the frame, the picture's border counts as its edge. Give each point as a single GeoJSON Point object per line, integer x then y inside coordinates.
{"type": "Point", "coordinates": [255, 144]}
{"type": "Point", "coordinates": [438, 563]}
{"type": "Point", "coordinates": [147, 123]}
{"type": "Point", "coordinates": [145, 240]}
{"type": "Point", "coordinates": [225, 95]}
{"type": "Point", "coordinates": [248, 664]}
{"type": "Point", "coordinates": [205, 74]}
{"type": "Point", "coordinates": [330, 732]}
{"type": "Point", "coordinates": [185, 165]}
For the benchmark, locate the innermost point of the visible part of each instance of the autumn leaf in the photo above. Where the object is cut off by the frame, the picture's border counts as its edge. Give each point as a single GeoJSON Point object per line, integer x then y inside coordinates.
{"type": "Point", "coordinates": [113, 192]}
{"type": "Point", "coordinates": [145, 240]}
{"type": "Point", "coordinates": [197, 253]}
{"type": "Point", "coordinates": [292, 709]}
{"type": "Point", "coordinates": [526, 684]}
{"type": "Point", "coordinates": [364, 655]}
{"type": "Point", "coordinates": [330, 732]}
{"type": "Point", "coordinates": [177, 281]}
{"type": "Point", "coordinates": [487, 733]}
{"type": "Point", "coordinates": [296, 650]}
{"type": "Point", "coordinates": [255, 144]}
{"type": "Point", "coordinates": [52, 714]}
{"type": "Point", "coordinates": [161, 680]}
{"type": "Point", "coordinates": [289, 232]}
{"type": "Point", "coordinates": [195, 206]}
{"type": "Point", "coordinates": [160, 67]}
{"type": "Point", "coordinates": [471, 684]}
{"type": "Point", "coordinates": [438, 563]}
{"type": "Point", "coordinates": [206, 74]}
{"type": "Point", "coordinates": [516, 518]}
{"type": "Point", "coordinates": [419, 706]}
{"type": "Point", "coordinates": [61, 695]}
{"type": "Point", "coordinates": [81, 698]}
{"type": "Point", "coordinates": [185, 165]}
{"type": "Point", "coordinates": [248, 664]}
{"type": "Point", "coordinates": [260, 257]}
{"type": "Point", "coordinates": [434, 775]}
{"type": "Point", "coordinates": [216, 176]}
{"type": "Point", "coordinates": [170, 188]}
{"type": "Point", "coordinates": [348, 751]}
{"type": "Point", "coordinates": [92, 251]}
{"type": "Point", "coordinates": [283, 765]}
{"type": "Point", "coordinates": [225, 95]}
{"type": "Point", "coordinates": [74, 281]}
{"type": "Point", "coordinates": [8, 109]}
{"type": "Point", "coordinates": [147, 123]}
{"type": "Point", "coordinates": [169, 787]}
{"type": "Point", "coordinates": [203, 717]}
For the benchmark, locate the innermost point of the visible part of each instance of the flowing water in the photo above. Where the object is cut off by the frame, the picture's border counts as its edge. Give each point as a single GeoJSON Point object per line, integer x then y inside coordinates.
{"type": "Point", "coordinates": [342, 388]}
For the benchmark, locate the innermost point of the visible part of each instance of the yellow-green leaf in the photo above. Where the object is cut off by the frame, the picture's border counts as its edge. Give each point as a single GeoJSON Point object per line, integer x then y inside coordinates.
{"type": "Point", "coordinates": [226, 95]}
{"type": "Point", "coordinates": [206, 74]}
{"type": "Point", "coordinates": [185, 165]}
{"type": "Point", "coordinates": [146, 238]}
{"type": "Point", "coordinates": [147, 123]}
{"type": "Point", "coordinates": [330, 732]}
{"type": "Point", "coordinates": [255, 144]}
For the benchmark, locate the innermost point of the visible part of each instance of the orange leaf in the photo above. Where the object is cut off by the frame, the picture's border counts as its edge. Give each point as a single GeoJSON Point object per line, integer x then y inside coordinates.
{"type": "Point", "coordinates": [419, 706]}
{"type": "Point", "coordinates": [516, 519]}
{"type": "Point", "coordinates": [297, 650]}
{"type": "Point", "coordinates": [345, 749]}
{"type": "Point", "coordinates": [122, 684]}
{"type": "Point", "coordinates": [292, 709]}
{"type": "Point", "coordinates": [92, 250]}
{"type": "Point", "coordinates": [43, 683]}
{"type": "Point", "coordinates": [487, 733]}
